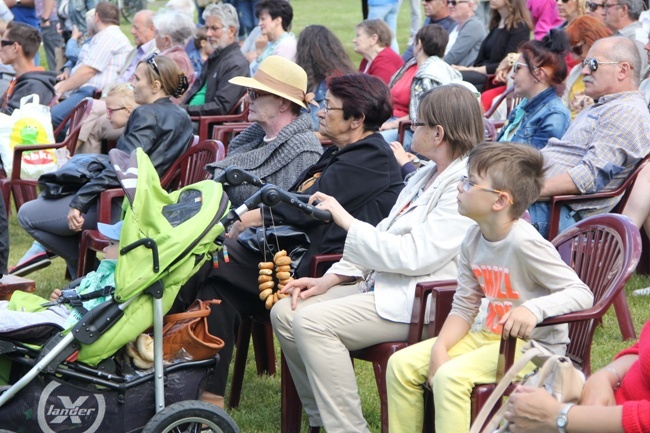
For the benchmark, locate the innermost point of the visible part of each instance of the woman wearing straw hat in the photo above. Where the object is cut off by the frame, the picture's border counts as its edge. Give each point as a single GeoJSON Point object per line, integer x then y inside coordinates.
{"type": "Point", "coordinates": [280, 144]}
{"type": "Point", "coordinates": [359, 170]}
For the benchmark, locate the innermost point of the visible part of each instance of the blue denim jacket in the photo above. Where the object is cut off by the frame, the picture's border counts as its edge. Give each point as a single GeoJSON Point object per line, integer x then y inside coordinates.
{"type": "Point", "coordinates": [545, 117]}
{"type": "Point", "coordinates": [319, 97]}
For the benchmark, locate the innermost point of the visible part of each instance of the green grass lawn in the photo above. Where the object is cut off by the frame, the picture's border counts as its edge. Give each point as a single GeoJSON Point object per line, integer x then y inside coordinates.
{"type": "Point", "coordinates": [259, 411]}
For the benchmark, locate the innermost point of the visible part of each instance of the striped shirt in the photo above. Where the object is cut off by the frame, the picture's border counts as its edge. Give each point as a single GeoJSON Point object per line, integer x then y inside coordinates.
{"type": "Point", "coordinates": [107, 53]}
{"type": "Point", "coordinates": [601, 147]}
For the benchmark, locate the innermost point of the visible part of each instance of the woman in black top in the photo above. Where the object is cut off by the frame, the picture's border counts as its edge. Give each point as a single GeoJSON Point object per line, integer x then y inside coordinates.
{"type": "Point", "coordinates": [510, 25]}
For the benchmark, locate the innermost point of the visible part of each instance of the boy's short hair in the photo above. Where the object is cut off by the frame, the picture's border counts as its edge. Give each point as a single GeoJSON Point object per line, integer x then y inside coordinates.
{"type": "Point", "coordinates": [28, 37]}
{"type": "Point", "coordinates": [512, 167]}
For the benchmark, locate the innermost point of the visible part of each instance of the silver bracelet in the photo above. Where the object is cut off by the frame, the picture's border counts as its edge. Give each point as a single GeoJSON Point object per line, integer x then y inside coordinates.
{"type": "Point", "coordinates": [618, 377]}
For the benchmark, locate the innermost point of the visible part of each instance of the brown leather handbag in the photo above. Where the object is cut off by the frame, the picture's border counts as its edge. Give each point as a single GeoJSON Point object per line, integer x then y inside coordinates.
{"type": "Point", "coordinates": [185, 335]}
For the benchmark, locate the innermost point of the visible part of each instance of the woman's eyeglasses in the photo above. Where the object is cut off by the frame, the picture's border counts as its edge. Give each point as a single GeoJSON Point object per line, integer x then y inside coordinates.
{"type": "Point", "coordinates": [593, 64]}
{"type": "Point", "coordinates": [151, 60]}
{"type": "Point", "coordinates": [517, 66]}
{"type": "Point", "coordinates": [468, 184]}
{"type": "Point", "coordinates": [593, 7]}
{"type": "Point", "coordinates": [328, 108]}
{"type": "Point", "coordinates": [254, 94]}
{"type": "Point", "coordinates": [110, 111]}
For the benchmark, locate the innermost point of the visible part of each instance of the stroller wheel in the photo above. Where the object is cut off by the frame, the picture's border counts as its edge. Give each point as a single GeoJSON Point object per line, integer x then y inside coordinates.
{"type": "Point", "coordinates": [190, 417]}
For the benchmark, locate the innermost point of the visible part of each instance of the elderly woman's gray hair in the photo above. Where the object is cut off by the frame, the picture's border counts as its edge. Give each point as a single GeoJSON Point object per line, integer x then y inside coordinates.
{"type": "Point", "coordinates": [226, 13]}
{"type": "Point", "coordinates": [175, 24]}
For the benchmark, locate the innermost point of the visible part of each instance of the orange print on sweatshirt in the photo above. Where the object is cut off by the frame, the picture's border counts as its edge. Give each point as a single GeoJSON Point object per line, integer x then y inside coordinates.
{"type": "Point", "coordinates": [495, 283]}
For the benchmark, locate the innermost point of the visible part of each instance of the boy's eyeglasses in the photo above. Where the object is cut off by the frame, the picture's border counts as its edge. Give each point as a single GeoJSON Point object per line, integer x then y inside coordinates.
{"type": "Point", "coordinates": [593, 64]}
{"type": "Point", "coordinates": [468, 184]}
{"type": "Point", "coordinates": [592, 6]}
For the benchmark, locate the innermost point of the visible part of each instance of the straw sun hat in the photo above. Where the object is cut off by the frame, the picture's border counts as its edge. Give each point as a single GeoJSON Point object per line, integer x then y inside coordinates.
{"type": "Point", "coordinates": [281, 77]}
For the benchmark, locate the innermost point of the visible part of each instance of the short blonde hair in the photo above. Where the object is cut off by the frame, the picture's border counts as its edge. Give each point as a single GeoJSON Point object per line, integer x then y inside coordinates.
{"type": "Point", "coordinates": [123, 92]}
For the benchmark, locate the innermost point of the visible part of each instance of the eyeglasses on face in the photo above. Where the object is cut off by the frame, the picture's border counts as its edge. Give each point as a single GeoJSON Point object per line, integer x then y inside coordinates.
{"type": "Point", "coordinates": [468, 184]}
{"type": "Point", "coordinates": [254, 93]}
{"type": "Point", "coordinates": [592, 6]}
{"type": "Point", "coordinates": [110, 111]}
{"type": "Point", "coordinates": [6, 42]}
{"type": "Point", "coordinates": [593, 64]}
{"type": "Point", "coordinates": [328, 108]}
{"type": "Point", "coordinates": [611, 5]}
{"type": "Point", "coordinates": [151, 60]}
{"type": "Point", "coordinates": [517, 66]}
{"type": "Point", "coordinates": [456, 2]}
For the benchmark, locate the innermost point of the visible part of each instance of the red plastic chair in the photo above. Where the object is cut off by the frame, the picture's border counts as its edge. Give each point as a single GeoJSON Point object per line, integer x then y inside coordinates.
{"type": "Point", "coordinates": [604, 251]}
{"type": "Point", "coordinates": [226, 132]}
{"type": "Point", "coordinates": [511, 102]}
{"type": "Point", "coordinates": [239, 113]}
{"type": "Point", "coordinates": [186, 170]}
{"type": "Point", "coordinates": [25, 190]}
{"type": "Point", "coordinates": [620, 304]}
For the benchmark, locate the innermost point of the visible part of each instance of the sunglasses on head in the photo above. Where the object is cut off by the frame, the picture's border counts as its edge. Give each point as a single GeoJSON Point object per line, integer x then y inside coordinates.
{"type": "Point", "coordinates": [594, 6]}
{"type": "Point", "coordinates": [593, 64]}
{"type": "Point", "coordinates": [151, 60]}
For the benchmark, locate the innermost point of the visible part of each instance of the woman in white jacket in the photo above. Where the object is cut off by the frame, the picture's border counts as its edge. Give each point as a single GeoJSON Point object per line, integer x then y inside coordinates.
{"type": "Point", "coordinates": [367, 297]}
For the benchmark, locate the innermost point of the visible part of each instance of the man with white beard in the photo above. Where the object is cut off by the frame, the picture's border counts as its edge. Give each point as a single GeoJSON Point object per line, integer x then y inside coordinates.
{"type": "Point", "coordinates": [212, 93]}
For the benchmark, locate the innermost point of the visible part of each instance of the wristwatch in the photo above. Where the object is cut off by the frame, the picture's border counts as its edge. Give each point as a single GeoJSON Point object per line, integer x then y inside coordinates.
{"type": "Point", "coordinates": [562, 418]}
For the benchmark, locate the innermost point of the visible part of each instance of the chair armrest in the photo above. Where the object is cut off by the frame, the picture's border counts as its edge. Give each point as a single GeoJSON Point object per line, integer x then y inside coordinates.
{"type": "Point", "coordinates": [321, 263]}
{"type": "Point", "coordinates": [20, 149]}
{"type": "Point", "coordinates": [105, 203]}
{"type": "Point", "coordinates": [441, 300]}
{"type": "Point", "coordinates": [426, 291]}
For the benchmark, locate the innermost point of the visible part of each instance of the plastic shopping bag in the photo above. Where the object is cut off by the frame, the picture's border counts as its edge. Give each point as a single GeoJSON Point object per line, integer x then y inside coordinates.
{"type": "Point", "coordinates": [29, 124]}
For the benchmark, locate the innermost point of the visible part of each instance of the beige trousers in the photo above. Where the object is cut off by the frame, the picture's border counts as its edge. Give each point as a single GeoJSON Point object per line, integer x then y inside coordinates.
{"type": "Point", "coordinates": [316, 339]}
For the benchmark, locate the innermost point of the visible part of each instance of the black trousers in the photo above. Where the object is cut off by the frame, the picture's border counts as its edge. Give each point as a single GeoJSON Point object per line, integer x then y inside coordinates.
{"type": "Point", "coordinates": [235, 283]}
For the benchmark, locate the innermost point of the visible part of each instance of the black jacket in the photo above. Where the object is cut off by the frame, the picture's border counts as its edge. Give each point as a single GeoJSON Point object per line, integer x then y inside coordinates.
{"type": "Point", "coordinates": [220, 95]}
{"type": "Point", "coordinates": [162, 129]}
{"type": "Point", "coordinates": [498, 43]}
{"type": "Point", "coordinates": [39, 82]}
{"type": "Point", "coordinates": [363, 176]}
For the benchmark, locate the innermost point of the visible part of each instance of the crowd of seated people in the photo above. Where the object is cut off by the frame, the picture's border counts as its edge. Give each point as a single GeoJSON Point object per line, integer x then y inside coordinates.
{"type": "Point", "coordinates": [578, 67]}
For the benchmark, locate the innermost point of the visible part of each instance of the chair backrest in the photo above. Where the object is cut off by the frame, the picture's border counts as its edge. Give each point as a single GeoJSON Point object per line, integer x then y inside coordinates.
{"type": "Point", "coordinates": [604, 251]}
{"type": "Point", "coordinates": [189, 167]}
{"type": "Point", "coordinates": [510, 99]}
{"type": "Point", "coordinates": [73, 122]}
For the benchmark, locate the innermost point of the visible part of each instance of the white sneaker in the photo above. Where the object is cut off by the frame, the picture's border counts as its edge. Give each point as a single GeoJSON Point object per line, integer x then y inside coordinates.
{"type": "Point", "coordinates": [641, 292]}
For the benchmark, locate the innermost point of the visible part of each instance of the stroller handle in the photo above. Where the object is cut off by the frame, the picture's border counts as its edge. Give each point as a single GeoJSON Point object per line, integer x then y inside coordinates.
{"type": "Point", "coordinates": [235, 176]}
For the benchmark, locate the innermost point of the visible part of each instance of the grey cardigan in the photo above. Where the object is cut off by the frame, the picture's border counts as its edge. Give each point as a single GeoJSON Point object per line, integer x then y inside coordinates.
{"type": "Point", "coordinates": [278, 162]}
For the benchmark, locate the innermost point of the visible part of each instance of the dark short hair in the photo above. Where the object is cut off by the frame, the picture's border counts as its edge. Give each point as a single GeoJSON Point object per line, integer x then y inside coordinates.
{"type": "Point", "coordinates": [28, 37]}
{"type": "Point", "coordinates": [434, 39]}
{"type": "Point", "coordinates": [512, 167]}
{"type": "Point", "coordinates": [276, 8]}
{"type": "Point", "coordinates": [108, 13]}
{"type": "Point", "coordinates": [363, 95]}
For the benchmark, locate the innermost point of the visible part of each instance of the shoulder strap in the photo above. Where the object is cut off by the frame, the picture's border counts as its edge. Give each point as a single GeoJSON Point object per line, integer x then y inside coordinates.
{"type": "Point", "coordinates": [497, 394]}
